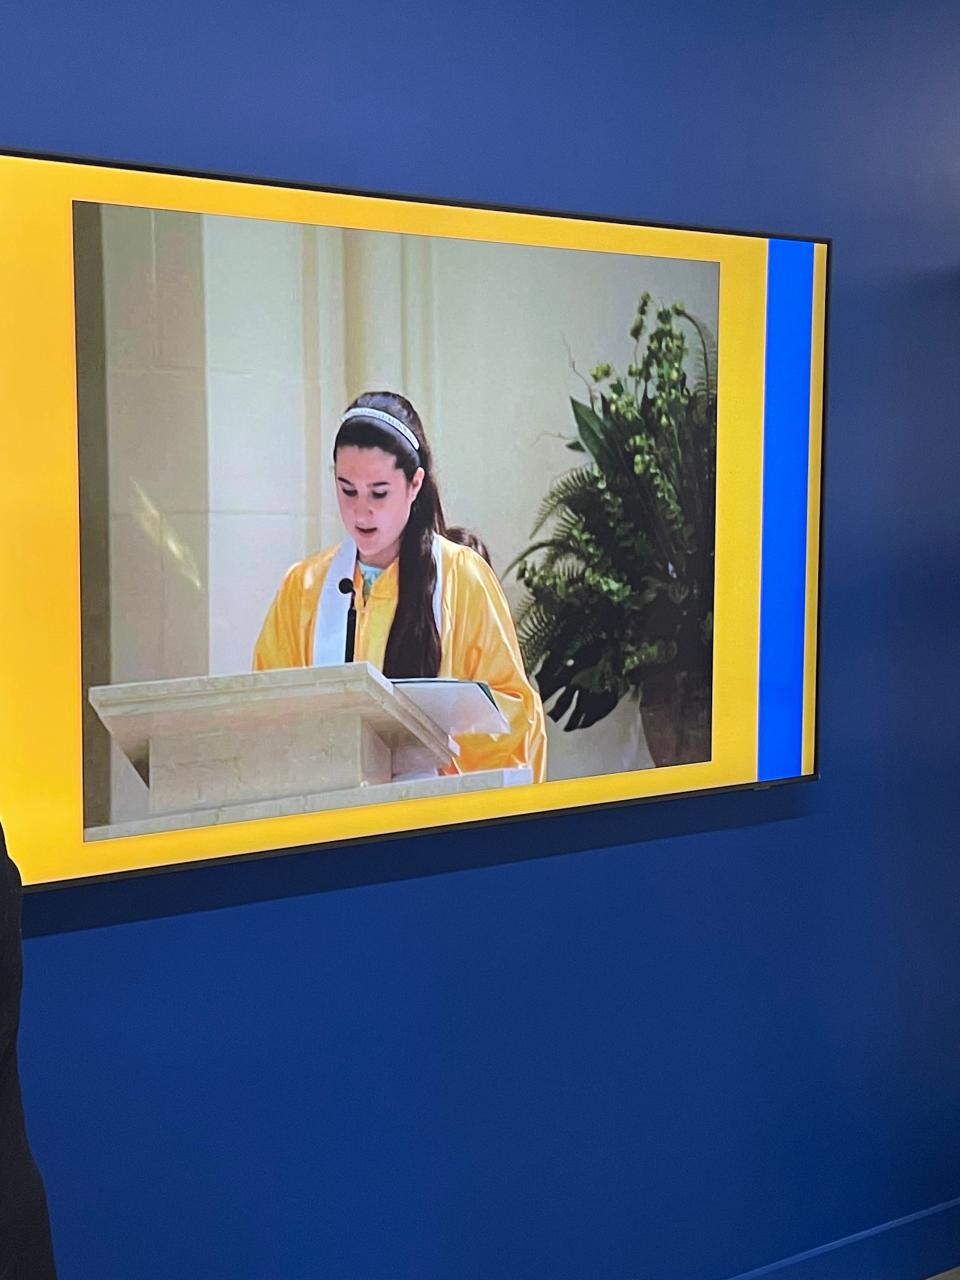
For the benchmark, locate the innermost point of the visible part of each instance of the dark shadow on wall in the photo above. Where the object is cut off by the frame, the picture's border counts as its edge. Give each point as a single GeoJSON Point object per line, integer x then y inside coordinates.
{"type": "Point", "coordinates": [300, 872]}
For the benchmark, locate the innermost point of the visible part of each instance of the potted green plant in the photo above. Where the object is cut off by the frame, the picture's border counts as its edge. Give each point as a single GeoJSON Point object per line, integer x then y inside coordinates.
{"type": "Point", "coordinates": [619, 579]}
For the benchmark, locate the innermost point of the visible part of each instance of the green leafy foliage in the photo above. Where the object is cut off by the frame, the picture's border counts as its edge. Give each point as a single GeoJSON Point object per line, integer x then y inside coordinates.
{"type": "Point", "coordinates": [619, 579]}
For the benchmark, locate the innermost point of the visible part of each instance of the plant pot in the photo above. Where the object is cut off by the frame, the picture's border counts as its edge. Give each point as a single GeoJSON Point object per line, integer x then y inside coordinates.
{"type": "Point", "coordinates": [677, 732]}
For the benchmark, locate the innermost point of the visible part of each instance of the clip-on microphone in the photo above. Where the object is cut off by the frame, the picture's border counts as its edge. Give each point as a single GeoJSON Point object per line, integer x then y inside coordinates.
{"type": "Point", "coordinates": [346, 588]}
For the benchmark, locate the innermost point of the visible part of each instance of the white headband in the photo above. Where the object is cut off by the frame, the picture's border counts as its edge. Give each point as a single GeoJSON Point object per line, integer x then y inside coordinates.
{"type": "Point", "coordinates": [388, 420]}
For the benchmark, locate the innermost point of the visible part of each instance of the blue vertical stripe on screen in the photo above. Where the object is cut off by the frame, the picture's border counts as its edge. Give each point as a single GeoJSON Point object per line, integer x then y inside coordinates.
{"type": "Point", "coordinates": [786, 443]}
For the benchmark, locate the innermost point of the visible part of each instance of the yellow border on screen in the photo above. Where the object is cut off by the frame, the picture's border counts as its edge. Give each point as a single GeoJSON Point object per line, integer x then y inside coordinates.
{"type": "Point", "coordinates": [41, 798]}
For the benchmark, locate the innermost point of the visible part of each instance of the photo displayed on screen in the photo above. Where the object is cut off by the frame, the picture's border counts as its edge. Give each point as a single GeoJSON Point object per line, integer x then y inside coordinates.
{"type": "Point", "coordinates": [371, 516]}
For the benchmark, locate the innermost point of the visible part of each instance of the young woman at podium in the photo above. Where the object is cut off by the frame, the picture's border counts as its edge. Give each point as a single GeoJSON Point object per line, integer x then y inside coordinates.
{"type": "Point", "coordinates": [425, 605]}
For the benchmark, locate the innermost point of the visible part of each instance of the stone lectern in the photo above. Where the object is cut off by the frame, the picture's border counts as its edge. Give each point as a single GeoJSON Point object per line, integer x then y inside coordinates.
{"type": "Point", "coordinates": [262, 744]}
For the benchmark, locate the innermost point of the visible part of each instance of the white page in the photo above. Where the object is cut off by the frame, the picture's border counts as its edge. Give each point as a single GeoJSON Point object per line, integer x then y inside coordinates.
{"type": "Point", "coordinates": [457, 706]}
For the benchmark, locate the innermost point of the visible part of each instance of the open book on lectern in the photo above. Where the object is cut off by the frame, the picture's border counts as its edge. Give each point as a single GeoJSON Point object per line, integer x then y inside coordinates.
{"type": "Point", "coordinates": [457, 706]}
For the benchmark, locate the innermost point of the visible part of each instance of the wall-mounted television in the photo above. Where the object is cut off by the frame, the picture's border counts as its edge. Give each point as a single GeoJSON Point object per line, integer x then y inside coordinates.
{"type": "Point", "coordinates": [331, 515]}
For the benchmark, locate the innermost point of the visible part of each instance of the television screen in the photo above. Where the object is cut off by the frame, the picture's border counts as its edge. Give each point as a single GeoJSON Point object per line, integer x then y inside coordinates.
{"type": "Point", "coordinates": [335, 515]}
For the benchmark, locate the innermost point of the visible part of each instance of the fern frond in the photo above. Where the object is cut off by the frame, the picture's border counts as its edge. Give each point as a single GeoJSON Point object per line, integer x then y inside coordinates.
{"type": "Point", "coordinates": [571, 487]}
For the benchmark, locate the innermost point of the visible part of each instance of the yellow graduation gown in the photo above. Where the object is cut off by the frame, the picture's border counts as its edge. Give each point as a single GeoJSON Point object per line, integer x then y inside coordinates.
{"type": "Point", "coordinates": [478, 642]}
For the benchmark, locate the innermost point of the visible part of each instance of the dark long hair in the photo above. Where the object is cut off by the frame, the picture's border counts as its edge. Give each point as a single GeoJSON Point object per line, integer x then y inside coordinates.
{"type": "Point", "coordinates": [413, 647]}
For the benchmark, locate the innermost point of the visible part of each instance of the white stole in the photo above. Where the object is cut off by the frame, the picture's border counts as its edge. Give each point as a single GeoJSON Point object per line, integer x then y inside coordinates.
{"type": "Point", "coordinates": [330, 627]}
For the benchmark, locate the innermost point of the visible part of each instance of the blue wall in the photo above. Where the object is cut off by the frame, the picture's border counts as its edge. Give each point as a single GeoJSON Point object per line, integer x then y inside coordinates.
{"type": "Point", "coordinates": [673, 1042]}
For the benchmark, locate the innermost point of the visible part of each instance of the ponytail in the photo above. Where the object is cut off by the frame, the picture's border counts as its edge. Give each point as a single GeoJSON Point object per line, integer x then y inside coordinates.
{"type": "Point", "coordinates": [413, 648]}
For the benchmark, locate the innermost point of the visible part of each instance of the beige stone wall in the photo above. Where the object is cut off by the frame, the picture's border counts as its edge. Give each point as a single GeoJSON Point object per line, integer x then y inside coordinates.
{"type": "Point", "coordinates": [157, 452]}
{"type": "Point", "coordinates": [261, 413]}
